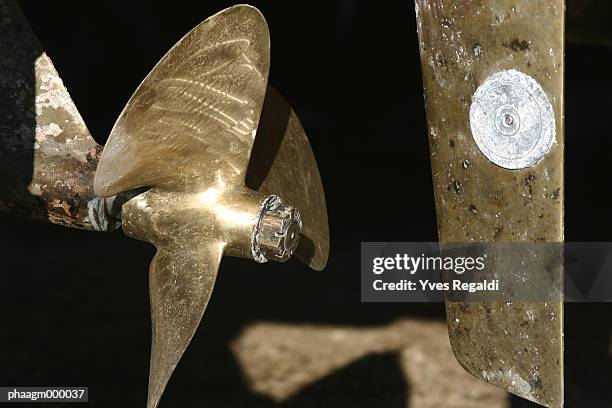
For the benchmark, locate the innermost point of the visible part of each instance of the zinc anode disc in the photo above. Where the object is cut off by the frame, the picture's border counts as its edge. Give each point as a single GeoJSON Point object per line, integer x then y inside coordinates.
{"type": "Point", "coordinates": [512, 120]}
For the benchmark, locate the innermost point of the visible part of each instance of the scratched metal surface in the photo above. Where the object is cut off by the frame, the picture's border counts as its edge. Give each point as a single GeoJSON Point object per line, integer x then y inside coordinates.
{"type": "Point", "coordinates": [516, 346]}
{"type": "Point", "coordinates": [47, 156]}
{"type": "Point", "coordinates": [196, 114]}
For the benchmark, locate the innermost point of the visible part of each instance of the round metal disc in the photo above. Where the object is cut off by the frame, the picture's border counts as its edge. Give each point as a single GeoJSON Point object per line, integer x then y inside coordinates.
{"type": "Point", "coordinates": [512, 120]}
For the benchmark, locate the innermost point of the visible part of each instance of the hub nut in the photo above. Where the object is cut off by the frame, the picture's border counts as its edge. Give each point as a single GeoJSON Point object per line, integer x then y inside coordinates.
{"type": "Point", "coordinates": [277, 232]}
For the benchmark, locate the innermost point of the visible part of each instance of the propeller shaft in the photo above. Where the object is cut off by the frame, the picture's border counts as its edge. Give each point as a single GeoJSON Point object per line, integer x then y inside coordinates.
{"type": "Point", "coordinates": [252, 225]}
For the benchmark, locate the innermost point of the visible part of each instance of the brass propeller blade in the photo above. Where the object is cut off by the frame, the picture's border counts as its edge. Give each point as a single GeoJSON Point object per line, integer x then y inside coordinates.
{"type": "Point", "coordinates": [190, 241]}
{"type": "Point", "coordinates": [181, 285]}
{"type": "Point", "coordinates": [187, 133]}
{"type": "Point", "coordinates": [195, 116]}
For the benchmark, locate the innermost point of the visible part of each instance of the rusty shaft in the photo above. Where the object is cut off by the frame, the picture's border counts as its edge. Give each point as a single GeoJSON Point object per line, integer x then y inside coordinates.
{"type": "Point", "coordinates": [47, 156]}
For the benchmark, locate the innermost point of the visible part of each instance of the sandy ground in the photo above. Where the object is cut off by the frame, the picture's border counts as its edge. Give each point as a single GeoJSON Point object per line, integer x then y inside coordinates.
{"type": "Point", "coordinates": [280, 361]}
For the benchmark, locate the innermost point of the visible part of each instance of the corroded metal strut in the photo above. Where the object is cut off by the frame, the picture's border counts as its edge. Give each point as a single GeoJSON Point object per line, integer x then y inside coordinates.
{"type": "Point", "coordinates": [493, 79]}
{"type": "Point", "coordinates": [47, 156]}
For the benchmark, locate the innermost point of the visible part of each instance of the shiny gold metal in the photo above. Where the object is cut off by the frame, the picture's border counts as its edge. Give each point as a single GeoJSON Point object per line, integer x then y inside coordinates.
{"type": "Point", "coordinates": [517, 346]}
{"type": "Point", "coordinates": [283, 163]}
{"type": "Point", "coordinates": [192, 121]}
{"type": "Point", "coordinates": [188, 134]}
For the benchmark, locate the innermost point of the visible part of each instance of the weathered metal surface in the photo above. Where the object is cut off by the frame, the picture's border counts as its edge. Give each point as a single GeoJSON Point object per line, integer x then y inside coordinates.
{"type": "Point", "coordinates": [47, 156]}
{"type": "Point", "coordinates": [515, 345]}
{"type": "Point", "coordinates": [187, 133]}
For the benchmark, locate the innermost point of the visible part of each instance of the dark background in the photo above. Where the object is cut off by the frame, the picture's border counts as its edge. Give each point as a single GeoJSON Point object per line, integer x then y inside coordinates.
{"type": "Point", "coordinates": [74, 304]}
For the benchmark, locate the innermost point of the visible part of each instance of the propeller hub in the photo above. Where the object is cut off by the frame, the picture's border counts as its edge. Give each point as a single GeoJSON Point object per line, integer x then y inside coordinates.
{"type": "Point", "coordinates": [277, 233]}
